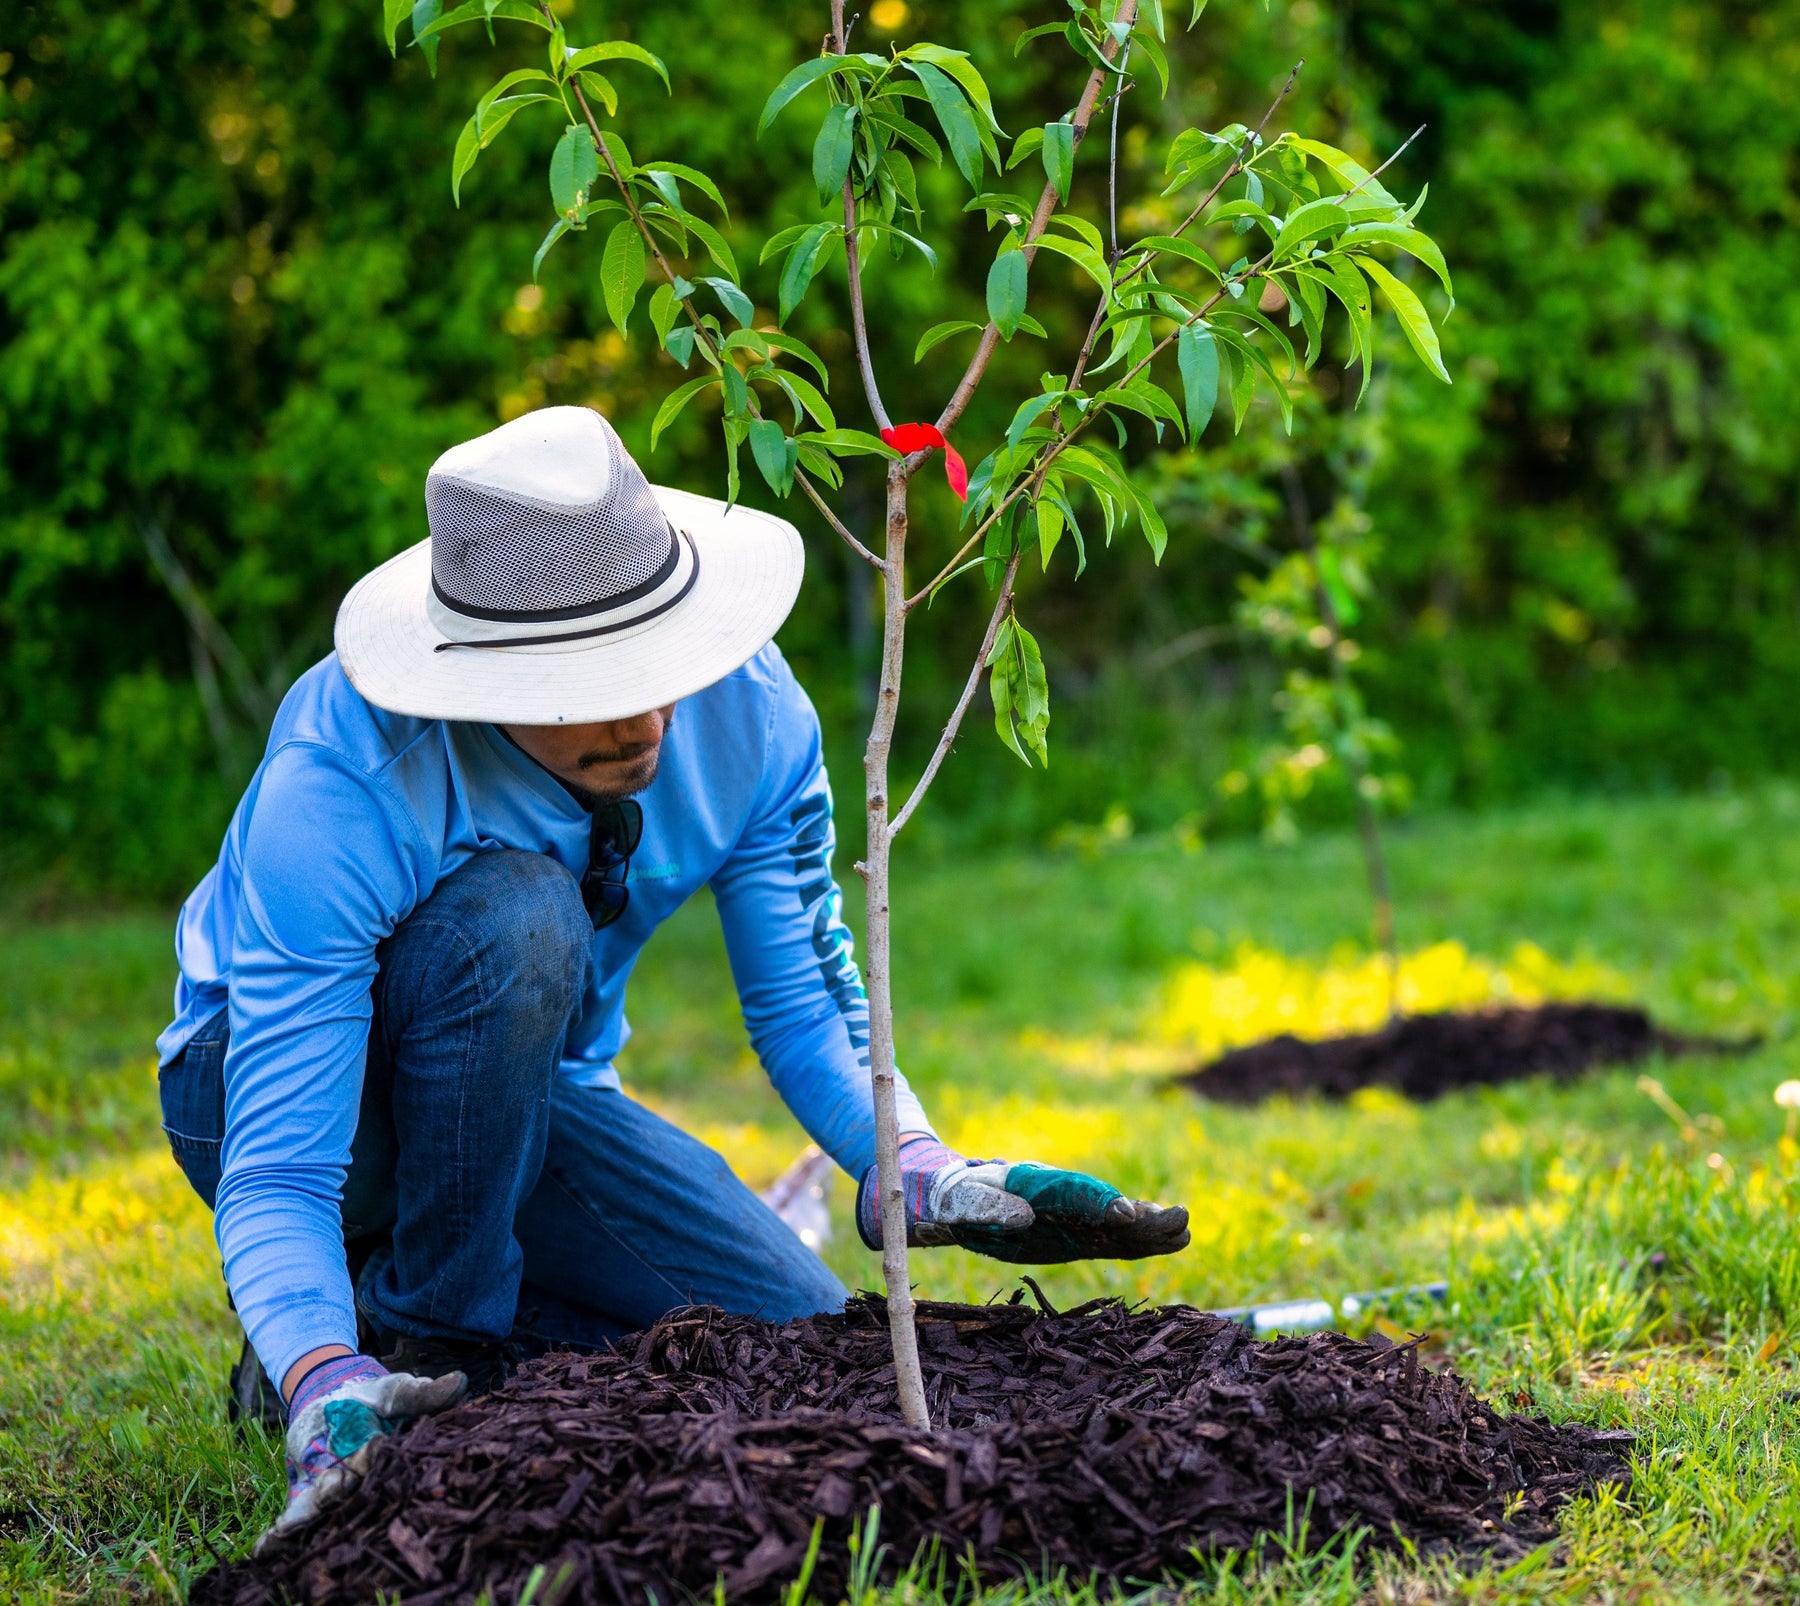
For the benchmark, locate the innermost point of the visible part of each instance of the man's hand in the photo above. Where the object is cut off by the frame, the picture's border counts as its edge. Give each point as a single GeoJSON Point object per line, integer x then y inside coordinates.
{"type": "Point", "coordinates": [341, 1408]}
{"type": "Point", "coordinates": [1025, 1213]}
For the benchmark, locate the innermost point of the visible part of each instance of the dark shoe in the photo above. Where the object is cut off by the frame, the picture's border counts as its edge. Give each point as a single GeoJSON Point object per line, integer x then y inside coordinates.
{"type": "Point", "coordinates": [486, 1366]}
{"type": "Point", "coordinates": [251, 1397]}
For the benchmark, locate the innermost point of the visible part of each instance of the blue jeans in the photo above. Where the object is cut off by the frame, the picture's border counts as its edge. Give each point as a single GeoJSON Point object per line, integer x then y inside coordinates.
{"type": "Point", "coordinates": [494, 1199]}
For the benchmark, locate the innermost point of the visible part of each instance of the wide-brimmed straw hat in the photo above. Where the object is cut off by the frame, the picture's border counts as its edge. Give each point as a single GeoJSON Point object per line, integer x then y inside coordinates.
{"type": "Point", "coordinates": [559, 586]}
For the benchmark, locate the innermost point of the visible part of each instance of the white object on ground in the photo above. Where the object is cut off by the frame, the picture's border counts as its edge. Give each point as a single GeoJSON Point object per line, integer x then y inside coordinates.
{"type": "Point", "coordinates": [801, 1196]}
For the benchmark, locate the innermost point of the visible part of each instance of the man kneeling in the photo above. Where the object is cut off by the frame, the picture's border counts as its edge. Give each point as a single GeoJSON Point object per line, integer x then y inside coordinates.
{"type": "Point", "coordinates": [402, 986]}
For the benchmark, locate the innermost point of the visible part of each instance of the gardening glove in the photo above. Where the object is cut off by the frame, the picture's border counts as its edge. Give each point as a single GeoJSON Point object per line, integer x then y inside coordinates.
{"type": "Point", "coordinates": [341, 1409]}
{"type": "Point", "coordinates": [1025, 1213]}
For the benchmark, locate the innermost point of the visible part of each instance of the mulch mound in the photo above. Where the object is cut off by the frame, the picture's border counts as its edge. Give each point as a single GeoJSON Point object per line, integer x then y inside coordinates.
{"type": "Point", "coordinates": [1425, 1055]}
{"type": "Point", "coordinates": [1103, 1440]}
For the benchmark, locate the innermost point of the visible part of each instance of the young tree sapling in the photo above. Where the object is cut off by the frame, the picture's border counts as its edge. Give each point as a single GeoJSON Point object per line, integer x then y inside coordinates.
{"type": "Point", "coordinates": [1171, 333]}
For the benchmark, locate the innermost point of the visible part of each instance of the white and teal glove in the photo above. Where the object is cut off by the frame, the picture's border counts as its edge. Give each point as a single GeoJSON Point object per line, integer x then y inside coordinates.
{"type": "Point", "coordinates": [1024, 1213]}
{"type": "Point", "coordinates": [339, 1411]}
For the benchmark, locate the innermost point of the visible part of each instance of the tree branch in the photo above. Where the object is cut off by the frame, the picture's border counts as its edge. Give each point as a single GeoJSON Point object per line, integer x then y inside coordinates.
{"type": "Point", "coordinates": [859, 322]}
{"type": "Point", "coordinates": [835, 522]}
{"type": "Point", "coordinates": [1040, 220]}
{"type": "Point", "coordinates": [948, 739]}
{"type": "Point", "coordinates": [1053, 449]}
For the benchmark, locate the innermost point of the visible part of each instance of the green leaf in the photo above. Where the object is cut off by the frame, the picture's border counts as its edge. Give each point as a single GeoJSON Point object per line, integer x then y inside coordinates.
{"type": "Point", "coordinates": [1308, 223]}
{"type": "Point", "coordinates": [748, 340]}
{"type": "Point", "coordinates": [673, 404]}
{"type": "Point", "coordinates": [956, 120]}
{"type": "Point", "coordinates": [779, 242]}
{"type": "Point", "coordinates": [1173, 245]}
{"type": "Point", "coordinates": [938, 333]}
{"type": "Point", "coordinates": [1006, 289]}
{"type": "Point", "coordinates": [1159, 62]}
{"type": "Point", "coordinates": [817, 464]}
{"type": "Point", "coordinates": [957, 64]}
{"type": "Point", "coordinates": [1090, 261]}
{"type": "Point", "coordinates": [797, 348]}
{"type": "Point", "coordinates": [1309, 302]}
{"type": "Point", "coordinates": [671, 225]}
{"type": "Point", "coordinates": [810, 72]}
{"type": "Point", "coordinates": [716, 248]}
{"type": "Point", "coordinates": [1038, 32]}
{"type": "Point", "coordinates": [557, 230]}
{"type": "Point", "coordinates": [1258, 360]}
{"type": "Point", "coordinates": [393, 13]}
{"type": "Point", "coordinates": [1020, 690]}
{"type": "Point", "coordinates": [692, 175]}
{"type": "Point", "coordinates": [802, 264]}
{"type": "Point", "coordinates": [481, 11]}
{"type": "Point", "coordinates": [680, 344]}
{"type": "Point", "coordinates": [1050, 529]}
{"type": "Point", "coordinates": [424, 14]}
{"type": "Point", "coordinates": [574, 165]}
{"type": "Point", "coordinates": [852, 443]}
{"type": "Point", "coordinates": [665, 186]}
{"type": "Point", "coordinates": [1059, 157]}
{"type": "Point", "coordinates": [1409, 240]}
{"type": "Point", "coordinates": [1031, 140]}
{"type": "Point", "coordinates": [734, 438]}
{"type": "Point", "coordinates": [775, 455]}
{"type": "Point", "coordinates": [521, 75]}
{"type": "Point", "coordinates": [616, 50]}
{"type": "Point", "coordinates": [621, 156]}
{"type": "Point", "coordinates": [481, 130]}
{"type": "Point", "coordinates": [622, 272]}
{"type": "Point", "coordinates": [665, 309]}
{"type": "Point", "coordinates": [1348, 171]}
{"type": "Point", "coordinates": [913, 240]}
{"type": "Point", "coordinates": [833, 149]}
{"type": "Point", "coordinates": [1346, 281]}
{"type": "Point", "coordinates": [601, 88]}
{"type": "Point", "coordinates": [737, 392]}
{"type": "Point", "coordinates": [1029, 412]}
{"type": "Point", "coordinates": [803, 393]}
{"type": "Point", "coordinates": [734, 300]}
{"type": "Point", "coordinates": [1414, 319]}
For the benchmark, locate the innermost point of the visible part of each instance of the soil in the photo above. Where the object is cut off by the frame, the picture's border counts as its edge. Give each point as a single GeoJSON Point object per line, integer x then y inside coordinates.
{"type": "Point", "coordinates": [1425, 1055]}
{"type": "Point", "coordinates": [1102, 1440]}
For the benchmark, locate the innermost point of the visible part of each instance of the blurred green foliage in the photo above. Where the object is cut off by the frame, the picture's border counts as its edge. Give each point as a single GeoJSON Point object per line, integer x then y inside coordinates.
{"type": "Point", "coordinates": [239, 315]}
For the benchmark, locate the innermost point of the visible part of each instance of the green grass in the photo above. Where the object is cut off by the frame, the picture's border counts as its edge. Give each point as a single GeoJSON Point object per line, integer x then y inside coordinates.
{"type": "Point", "coordinates": [1602, 1262]}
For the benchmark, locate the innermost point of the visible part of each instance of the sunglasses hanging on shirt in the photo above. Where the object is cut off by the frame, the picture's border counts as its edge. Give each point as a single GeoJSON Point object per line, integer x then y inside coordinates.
{"type": "Point", "coordinates": [617, 829]}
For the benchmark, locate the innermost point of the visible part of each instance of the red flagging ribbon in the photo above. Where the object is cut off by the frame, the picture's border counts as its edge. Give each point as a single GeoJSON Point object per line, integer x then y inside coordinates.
{"type": "Point", "coordinates": [921, 438]}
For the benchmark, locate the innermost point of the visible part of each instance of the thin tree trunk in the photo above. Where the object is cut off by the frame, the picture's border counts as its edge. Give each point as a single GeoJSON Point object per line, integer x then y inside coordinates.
{"type": "Point", "coordinates": [879, 975]}
{"type": "Point", "coordinates": [1381, 893]}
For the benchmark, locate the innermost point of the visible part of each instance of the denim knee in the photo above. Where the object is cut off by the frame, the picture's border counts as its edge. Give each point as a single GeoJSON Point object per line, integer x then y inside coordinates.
{"type": "Point", "coordinates": [508, 923]}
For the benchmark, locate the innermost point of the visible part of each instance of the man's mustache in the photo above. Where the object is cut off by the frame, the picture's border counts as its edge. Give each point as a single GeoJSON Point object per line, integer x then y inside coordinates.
{"type": "Point", "coordinates": [619, 755]}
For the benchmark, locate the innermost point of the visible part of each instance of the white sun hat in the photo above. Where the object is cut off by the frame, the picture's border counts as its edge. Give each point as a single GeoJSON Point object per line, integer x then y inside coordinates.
{"type": "Point", "coordinates": [559, 586]}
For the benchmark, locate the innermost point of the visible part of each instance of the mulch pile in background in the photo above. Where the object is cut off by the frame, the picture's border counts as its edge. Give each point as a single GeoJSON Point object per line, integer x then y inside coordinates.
{"type": "Point", "coordinates": [1425, 1055]}
{"type": "Point", "coordinates": [1102, 1440]}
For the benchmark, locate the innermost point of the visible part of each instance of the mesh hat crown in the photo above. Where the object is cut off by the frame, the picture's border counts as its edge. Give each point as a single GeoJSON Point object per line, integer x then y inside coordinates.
{"type": "Point", "coordinates": [544, 530]}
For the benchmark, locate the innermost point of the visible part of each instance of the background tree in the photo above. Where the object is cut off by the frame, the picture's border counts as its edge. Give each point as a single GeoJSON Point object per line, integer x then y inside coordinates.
{"type": "Point", "coordinates": [1589, 553]}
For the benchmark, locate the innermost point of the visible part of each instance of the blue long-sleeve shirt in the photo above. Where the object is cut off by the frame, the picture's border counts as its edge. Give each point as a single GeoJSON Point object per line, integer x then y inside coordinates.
{"type": "Point", "coordinates": [355, 814]}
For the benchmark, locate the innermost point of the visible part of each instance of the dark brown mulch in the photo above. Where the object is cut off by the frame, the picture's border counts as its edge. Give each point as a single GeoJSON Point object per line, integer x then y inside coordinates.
{"type": "Point", "coordinates": [1425, 1055]}
{"type": "Point", "coordinates": [1103, 1440]}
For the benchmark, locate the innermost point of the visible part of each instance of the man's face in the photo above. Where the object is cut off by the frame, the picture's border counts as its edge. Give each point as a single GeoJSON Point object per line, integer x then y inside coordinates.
{"type": "Point", "coordinates": [600, 763]}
